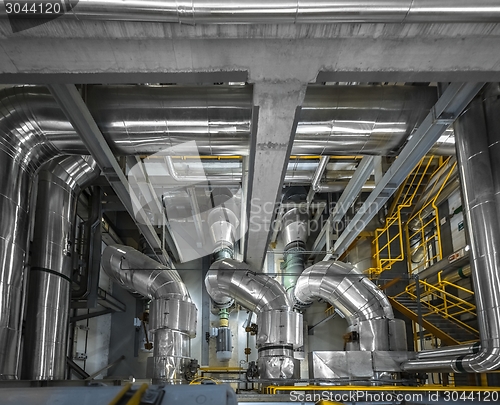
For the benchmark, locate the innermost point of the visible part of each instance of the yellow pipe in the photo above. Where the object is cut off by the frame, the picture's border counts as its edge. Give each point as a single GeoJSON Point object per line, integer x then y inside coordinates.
{"type": "Point", "coordinates": [390, 388]}
{"type": "Point", "coordinates": [136, 398]}
{"type": "Point", "coordinates": [120, 395]}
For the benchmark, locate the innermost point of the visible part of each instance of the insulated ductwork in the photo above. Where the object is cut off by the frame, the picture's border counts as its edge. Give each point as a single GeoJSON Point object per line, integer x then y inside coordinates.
{"type": "Point", "coordinates": [294, 233]}
{"type": "Point", "coordinates": [173, 316]}
{"type": "Point", "coordinates": [229, 279]}
{"type": "Point", "coordinates": [366, 308]}
{"type": "Point", "coordinates": [223, 223]}
{"type": "Point", "coordinates": [140, 120]}
{"type": "Point", "coordinates": [477, 136]}
{"type": "Point", "coordinates": [283, 12]}
{"type": "Point", "coordinates": [59, 184]}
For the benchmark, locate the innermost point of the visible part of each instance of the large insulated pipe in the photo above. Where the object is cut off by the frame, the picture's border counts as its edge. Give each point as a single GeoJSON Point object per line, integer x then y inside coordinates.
{"type": "Point", "coordinates": [59, 184]}
{"type": "Point", "coordinates": [23, 149]}
{"type": "Point", "coordinates": [365, 307]}
{"type": "Point", "coordinates": [173, 316]}
{"type": "Point", "coordinates": [138, 120]}
{"type": "Point", "coordinates": [229, 279]}
{"type": "Point", "coordinates": [477, 144]}
{"type": "Point", "coordinates": [223, 224]}
{"type": "Point", "coordinates": [141, 120]}
{"type": "Point", "coordinates": [294, 235]}
{"type": "Point", "coordinates": [282, 12]}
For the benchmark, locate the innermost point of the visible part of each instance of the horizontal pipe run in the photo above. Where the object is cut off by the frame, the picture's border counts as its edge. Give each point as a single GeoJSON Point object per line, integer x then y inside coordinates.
{"type": "Point", "coordinates": [144, 120]}
{"type": "Point", "coordinates": [281, 11]}
{"type": "Point", "coordinates": [449, 351]}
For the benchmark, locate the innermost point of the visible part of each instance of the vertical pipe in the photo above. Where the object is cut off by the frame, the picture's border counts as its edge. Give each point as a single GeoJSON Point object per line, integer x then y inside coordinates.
{"type": "Point", "coordinates": [59, 185]}
{"type": "Point", "coordinates": [476, 145]}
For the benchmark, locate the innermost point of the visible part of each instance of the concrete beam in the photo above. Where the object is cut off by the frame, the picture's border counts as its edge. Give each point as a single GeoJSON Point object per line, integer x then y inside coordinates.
{"type": "Point", "coordinates": [384, 53]}
{"type": "Point", "coordinates": [278, 105]}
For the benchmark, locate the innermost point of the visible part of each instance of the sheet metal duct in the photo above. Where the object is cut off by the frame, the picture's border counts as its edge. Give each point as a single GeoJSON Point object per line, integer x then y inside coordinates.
{"type": "Point", "coordinates": [229, 279]}
{"type": "Point", "coordinates": [365, 307]}
{"type": "Point", "coordinates": [23, 150]}
{"type": "Point", "coordinates": [138, 120]}
{"type": "Point", "coordinates": [285, 11]}
{"type": "Point", "coordinates": [59, 184]}
{"type": "Point", "coordinates": [143, 120]}
{"type": "Point", "coordinates": [477, 153]}
{"type": "Point", "coordinates": [294, 234]}
{"type": "Point", "coordinates": [173, 316]}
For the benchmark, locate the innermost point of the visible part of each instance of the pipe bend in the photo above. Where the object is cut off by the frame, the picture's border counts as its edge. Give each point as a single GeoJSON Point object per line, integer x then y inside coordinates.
{"type": "Point", "coordinates": [230, 279]}
{"type": "Point", "coordinates": [343, 286]}
{"type": "Point", "coordinates": [139, 273]}
{"type": "Point", "coordinates": [487, 359]}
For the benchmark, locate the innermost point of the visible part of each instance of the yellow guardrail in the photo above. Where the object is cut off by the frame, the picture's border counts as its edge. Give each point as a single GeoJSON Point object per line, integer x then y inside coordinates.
{"type": "Point", "coordinates": [429, 230]}
{"type": "Point", "coordinates": [451, 306]}
{"type": "Point", "coordinates": [273, 389]}
{"type": "Point", "coordinates": [388, 240]}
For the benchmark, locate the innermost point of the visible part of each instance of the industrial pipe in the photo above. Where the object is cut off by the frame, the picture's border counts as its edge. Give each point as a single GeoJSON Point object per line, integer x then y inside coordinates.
{"type": "Point", "coordinates": [229, 279]}
{"type": "Point", "coordinates": [138, 120]}
{"type": "Point", "coordinates": [282, 12]}
{"type": "Point", "coordinates": [477, 144]}
{"type": "Point", "coordinates": [294, 234]}
{"type": "Point", "coordinates": [449, 351]}
{"type": "Point", "coordinates": [143, 120]}
{"type": "Point", "coordinates": [173, 316]}
{"type": "Point", "coordinates": [365, 307]}
{"type": "Point", "coordinates": [59, 184]}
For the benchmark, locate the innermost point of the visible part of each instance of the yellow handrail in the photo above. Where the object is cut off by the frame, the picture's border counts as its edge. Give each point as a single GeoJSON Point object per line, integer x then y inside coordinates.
{"type": "Point", "coordinates": [384, 254]}
{"type": "Point", "coordinates": [272, 389]}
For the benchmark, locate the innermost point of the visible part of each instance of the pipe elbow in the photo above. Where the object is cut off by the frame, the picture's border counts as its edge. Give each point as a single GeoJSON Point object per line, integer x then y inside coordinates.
{"type": "Point", "coordinates": [139, 273]}
{"type": "Point", "coordinates": [344, 287]}
{"type": "Point", "coordinates": [231, 279]}
{"type": "Point", "coordinates": [488, 359]}
{"type": "Point", "coordinates": [212, 285]}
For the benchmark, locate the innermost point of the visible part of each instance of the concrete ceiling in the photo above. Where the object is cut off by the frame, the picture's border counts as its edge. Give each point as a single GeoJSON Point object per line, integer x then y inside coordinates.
{"type": "Point", "coordinates": [96, 51]}
{"type": "Point", "coordinates": [270, 56]}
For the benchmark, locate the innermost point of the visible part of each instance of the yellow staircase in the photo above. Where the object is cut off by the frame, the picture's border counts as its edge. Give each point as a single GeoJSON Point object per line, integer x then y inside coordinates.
{"type": "Point", "coordinates": [442, 308]}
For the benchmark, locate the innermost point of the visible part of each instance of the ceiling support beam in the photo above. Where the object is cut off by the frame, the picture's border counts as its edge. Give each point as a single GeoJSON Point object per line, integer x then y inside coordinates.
{"type": "Point", "coordinates": [349, 195]}
{"type": "Point", "coordinates": [449, 106]}
{"type": "Point", "coordinates": [276, 113]}
{"type": "Point", "coordinates": [78, 114]}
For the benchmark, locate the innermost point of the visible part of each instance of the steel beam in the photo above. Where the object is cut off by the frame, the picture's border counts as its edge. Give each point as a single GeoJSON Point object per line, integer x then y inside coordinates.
{"type": "Point", "coordinates": [449, 106]}
{"type": "Point", "coordinates": [278, 105]}
{"type": "Point", "coordinates": [351, 192]}
{"type": "Point", "coordinates": [76, 111]}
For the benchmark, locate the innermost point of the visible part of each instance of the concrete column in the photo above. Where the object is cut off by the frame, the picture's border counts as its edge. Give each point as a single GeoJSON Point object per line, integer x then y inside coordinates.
{"type": "Point", "coordinates": [277, 107]}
